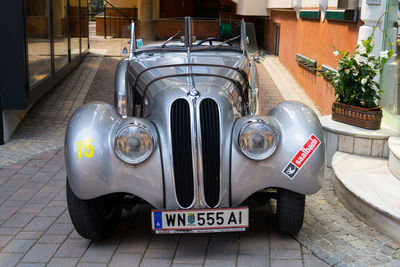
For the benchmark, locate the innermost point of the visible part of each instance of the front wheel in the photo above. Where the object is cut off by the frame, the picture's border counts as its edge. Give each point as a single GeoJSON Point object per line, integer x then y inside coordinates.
{"type": "Point", "coordinates": [96, 218]}
{"type": "Point", "coordinates": [290, 211]}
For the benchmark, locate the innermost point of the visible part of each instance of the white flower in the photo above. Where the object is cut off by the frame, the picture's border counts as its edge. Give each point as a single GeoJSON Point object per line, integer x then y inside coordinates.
{"type": "Point", "coordinates": [364, 81]}
{"type": "Point", "coordinates": [363, 89]}
{"type": "Point", "coordinates": [384, 54]}
{"type": "Point", "coordinates": [371, 64]}
{"type": "Point", "coordinates": [336, 53]}
{"type": "Point", "coordinates": [361, 50]}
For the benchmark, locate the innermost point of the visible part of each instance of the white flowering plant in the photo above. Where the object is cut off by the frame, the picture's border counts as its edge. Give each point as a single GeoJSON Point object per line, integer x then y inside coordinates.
{"type": "Point", "coordinates": [354, 81]}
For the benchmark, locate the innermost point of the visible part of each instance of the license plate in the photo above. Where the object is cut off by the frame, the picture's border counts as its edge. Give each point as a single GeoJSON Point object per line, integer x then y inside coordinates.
{"type": "Point", "coordinates": [200, 220]}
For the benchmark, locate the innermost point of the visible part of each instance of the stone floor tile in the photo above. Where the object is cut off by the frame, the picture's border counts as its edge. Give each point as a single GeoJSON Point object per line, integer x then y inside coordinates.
{"type": "Point", "coordinates": [52, 239]}
{"type": "Point", "coordinates": [73, 248]}
{"type": "Point", "coordinates": [286, 254]}
{"type": "Point", "coordinates": [52, 211]}
{"type": "Point", "coordinates": [40, 224]}
{"type": "Point", "coordinates": [64, 218]}
{"type": "Point", "coordinates": [28, 170]}
{"type": "Point", "coordinates": [9, 230]}
{"type": "Point", "coordinates": [9, 259]}
{"type": "Point", "coordinates": [7, 172]}
{"type": "Point", "coordinates": [40, 253]}
{"type": "Point", "coordinates": [36, 163]}
{"type": "Point", "coordinates": [253, 260]}
{"type": "Point", "coordinates": [7, 212]}
{"type": "Point", "coordinates": [286, 263]}
{"type": "Point", "coordinates": [4, 239]}
{"type": "Point", "coordinates": [222, 249]}
{"type": "Point", "coordinates": [159, 253]}
{"type": "Point", "coordinates": [19, 246]}
{"type": "Point", "coordinates": [254, 246]}
{"type": "Point", "coordinates": [23, 177]}
{"type": "Point", "coordinates": [164, 241]}
{"type": "Point", "coordinates": [186, 265]}
{"type": "Point", "coordinates": [31, 265]}
{"type": "Point", "coordinates": [28, 235]}
{"type": "Point", "coordinates": [282, 241]}
{"type": "Point", "coordinates": [122, 260]}
{"type": "Point", "coordinates": [155, 262]}
{"type": "Point", "coordinates": [194, 254]}
{"type": "Point", "coordinates": [51, 168]}
{"type": "Point", "coordinates": [99, 252]}
{"type": "Point", "coordinates": [19, 220]}
{"type": "Point", "coordinates": [87, 264]}
{"type": "Point", "coordinates": [60, 229]}
{"type": "Point", "coordinates": [134, 245]}
{"type": "Point", "coordinates": [32, 208]}
{"type": "Point", "coordinates": [219, 263]}
{"type": "Point", "coordinates": [63, 262]}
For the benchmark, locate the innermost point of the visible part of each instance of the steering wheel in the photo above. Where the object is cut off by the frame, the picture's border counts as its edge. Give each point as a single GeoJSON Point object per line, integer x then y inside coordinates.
{"type": "Point", "coordinates": [211, 39]}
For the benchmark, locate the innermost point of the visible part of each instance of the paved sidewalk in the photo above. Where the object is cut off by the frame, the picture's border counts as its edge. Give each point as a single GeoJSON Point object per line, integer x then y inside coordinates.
{"type": "Point", "coordinates": [35, 228]}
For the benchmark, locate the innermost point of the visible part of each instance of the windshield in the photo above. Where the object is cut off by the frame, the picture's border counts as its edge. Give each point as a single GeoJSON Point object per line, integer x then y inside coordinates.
{"type": "Point", "coordinates": [170, 33]}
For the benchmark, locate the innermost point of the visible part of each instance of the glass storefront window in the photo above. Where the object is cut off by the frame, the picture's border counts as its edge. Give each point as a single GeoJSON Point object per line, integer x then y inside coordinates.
{"type": "Point", "coordinates": [390, 98]}
{"type": "Point", "coordinates": [74, 27]}
{"type": "Point", "coordinates": [84, 25]}
{"type": "Point", "coordinates": [60, 33]}
{"type": "Point", "coordinates": [38, 40]}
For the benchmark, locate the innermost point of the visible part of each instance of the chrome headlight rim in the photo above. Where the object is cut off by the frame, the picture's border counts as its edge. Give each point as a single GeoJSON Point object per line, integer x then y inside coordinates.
{"type": "Point", "coordinates": [266, 154]}
{"type": "Point", "coordinates": [123, 157]}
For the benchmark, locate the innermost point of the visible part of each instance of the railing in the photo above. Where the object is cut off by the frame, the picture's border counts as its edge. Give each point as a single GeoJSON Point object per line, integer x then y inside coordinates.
{"type": "Point", "coordinates": [118, 20]}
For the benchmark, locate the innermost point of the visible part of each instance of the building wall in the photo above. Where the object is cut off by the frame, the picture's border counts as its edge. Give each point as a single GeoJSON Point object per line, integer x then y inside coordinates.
{"type": "Point", "coordinates": [314, 39]}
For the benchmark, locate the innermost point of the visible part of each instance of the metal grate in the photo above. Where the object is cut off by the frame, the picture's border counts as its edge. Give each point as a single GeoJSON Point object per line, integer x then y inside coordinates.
{"type": "Point", "coordinates": [182, 152]}
{"type": "Point", "coordinates": [210, 132]}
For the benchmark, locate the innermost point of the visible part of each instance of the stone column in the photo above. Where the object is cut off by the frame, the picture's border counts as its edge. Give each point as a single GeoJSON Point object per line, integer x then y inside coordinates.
{"type": "Point", "coordinates": [370, 15]}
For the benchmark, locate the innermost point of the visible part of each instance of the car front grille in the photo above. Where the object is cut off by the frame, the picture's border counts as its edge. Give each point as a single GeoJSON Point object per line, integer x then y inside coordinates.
{"type": "Point", "coordinates": [182, 151]}
{"type": "Point", "coordinates": [209, 122]}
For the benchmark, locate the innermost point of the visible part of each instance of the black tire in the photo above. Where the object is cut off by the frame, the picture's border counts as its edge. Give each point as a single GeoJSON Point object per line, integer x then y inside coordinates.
{"type": "Point", "coordinates": [290, 211]}
{"type": "Point", "coordinates": [94, 219]}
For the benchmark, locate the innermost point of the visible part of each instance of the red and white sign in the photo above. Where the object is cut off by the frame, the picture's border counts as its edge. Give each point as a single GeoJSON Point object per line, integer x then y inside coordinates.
{"type": "Point", "coordinates": [301, 157]}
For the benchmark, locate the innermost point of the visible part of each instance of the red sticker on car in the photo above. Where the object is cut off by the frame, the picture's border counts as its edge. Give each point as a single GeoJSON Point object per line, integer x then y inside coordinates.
{"type": "Point", "coordinates": [301, 157]}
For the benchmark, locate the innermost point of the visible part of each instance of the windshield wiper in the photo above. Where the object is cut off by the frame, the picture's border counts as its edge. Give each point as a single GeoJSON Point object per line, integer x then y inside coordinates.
{"type": "Point", "coordinates": [228, 40]}
{"type": "Point", "coordinates": [170, 39]}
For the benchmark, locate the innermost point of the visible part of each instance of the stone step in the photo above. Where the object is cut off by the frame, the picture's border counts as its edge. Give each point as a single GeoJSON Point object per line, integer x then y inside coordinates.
{"type": "Point", "coordinates": [355, 140]}
{"type": "Point", "coordinates": [394, 156]}
{"type": "Point", "coordinates": [367, 188]}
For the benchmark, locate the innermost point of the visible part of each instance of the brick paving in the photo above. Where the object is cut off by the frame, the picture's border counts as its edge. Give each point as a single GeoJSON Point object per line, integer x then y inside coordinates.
{"type": "Point", "coordinates": [35, 228]}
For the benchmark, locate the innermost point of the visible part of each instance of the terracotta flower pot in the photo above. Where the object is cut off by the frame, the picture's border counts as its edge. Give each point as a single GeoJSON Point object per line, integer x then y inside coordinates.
{"type": "Point", "coordinates": [368, 118]}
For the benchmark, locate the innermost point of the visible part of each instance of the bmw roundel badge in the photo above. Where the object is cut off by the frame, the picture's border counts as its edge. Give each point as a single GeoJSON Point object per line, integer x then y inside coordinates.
{"type": "Point", "coordinates": [194, 93]}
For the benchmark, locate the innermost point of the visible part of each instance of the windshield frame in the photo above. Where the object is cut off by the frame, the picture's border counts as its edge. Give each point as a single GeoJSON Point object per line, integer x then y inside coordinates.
{"type": "Point", "coordinates": [189, 46]}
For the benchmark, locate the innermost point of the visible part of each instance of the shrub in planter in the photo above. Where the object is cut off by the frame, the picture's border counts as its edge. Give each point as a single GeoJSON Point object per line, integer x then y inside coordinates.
{"type": "Point", "coordinates": [355, 86]}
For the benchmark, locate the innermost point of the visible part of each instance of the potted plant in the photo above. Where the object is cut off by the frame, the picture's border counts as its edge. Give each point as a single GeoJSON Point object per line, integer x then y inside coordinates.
{"type": "Point", "coordinates": [356, 91]}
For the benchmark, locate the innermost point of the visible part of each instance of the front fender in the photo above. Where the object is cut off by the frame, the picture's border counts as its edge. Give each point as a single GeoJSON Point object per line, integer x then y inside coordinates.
{"type": "Point", "coordinates": [295, 124]}
{"type": "Point", "coordinates": [92, 166]}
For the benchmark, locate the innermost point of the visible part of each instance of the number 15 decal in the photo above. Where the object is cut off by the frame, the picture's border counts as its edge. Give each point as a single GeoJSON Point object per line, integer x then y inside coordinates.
{"type": "Point", "coordinates": [87, 148]}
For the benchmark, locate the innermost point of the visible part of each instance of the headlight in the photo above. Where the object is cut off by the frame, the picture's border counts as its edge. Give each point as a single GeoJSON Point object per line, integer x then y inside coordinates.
{"type": "Point", "coordinates": [134, 143]}
{"type": "Point", "coordinates": [257, 139]}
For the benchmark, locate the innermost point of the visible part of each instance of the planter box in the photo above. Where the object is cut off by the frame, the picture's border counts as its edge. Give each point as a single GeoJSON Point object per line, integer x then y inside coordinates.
{"type": "Point", "coordinates": [368, 118]}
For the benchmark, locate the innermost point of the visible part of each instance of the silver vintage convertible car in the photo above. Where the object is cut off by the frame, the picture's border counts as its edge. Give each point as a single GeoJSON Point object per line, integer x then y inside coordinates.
{"type": "Point", "coordinates": [185, 135]}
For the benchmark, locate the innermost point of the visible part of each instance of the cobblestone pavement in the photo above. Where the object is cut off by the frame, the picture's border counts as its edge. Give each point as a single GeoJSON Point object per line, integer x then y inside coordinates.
{"type": "Point", "coordinates": [35, 228]}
